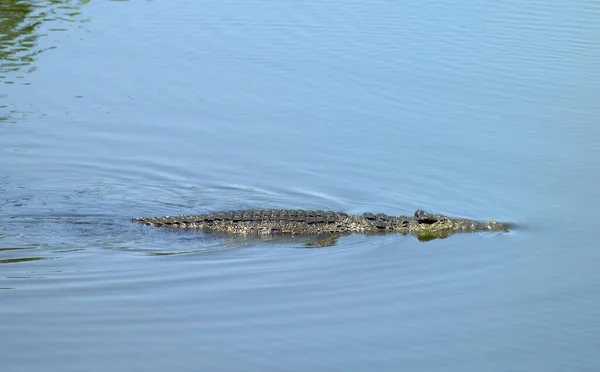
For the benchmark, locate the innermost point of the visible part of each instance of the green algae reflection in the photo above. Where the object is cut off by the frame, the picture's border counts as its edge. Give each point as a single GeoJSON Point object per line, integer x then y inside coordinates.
{"type": "Point", "coordinates": [22, 25]}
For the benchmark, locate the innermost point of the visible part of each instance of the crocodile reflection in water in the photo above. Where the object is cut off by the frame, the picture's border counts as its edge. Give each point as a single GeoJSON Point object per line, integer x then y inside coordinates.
{"type": "Point", "coordinates": [423, 225]}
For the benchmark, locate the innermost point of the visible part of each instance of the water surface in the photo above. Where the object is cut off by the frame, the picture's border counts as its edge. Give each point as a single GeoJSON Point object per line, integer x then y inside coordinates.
{"type": "Point", "coordinates": [114, 110]}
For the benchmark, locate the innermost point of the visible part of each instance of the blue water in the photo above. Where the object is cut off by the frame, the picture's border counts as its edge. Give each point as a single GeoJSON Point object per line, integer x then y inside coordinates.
{"type": "Point", "coordinates": [114, 110]}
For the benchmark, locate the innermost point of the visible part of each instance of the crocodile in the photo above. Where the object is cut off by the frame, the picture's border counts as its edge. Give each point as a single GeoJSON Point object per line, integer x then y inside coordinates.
{"type": "Point", "coordinates": [425, 226]}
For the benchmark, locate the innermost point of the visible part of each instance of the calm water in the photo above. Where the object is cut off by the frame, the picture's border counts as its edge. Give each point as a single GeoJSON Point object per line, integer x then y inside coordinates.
{"type": "Point", "coordinates": [113, 110]}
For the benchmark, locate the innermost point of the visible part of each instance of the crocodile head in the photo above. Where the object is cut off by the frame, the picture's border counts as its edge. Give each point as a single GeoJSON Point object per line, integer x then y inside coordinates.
{"type": "Point", "coordinates": [437, 226]}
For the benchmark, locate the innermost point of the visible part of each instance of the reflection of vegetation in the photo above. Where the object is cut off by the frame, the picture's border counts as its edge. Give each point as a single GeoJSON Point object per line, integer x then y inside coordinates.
{"type": "Point", "coordinates": [22, 25]}
{"type": "Point", "coordinates": [21, 259]}
{"type": "Point", "coordinates": [11, 249]}
{"type": "Point", "coordinates": [69, 250]}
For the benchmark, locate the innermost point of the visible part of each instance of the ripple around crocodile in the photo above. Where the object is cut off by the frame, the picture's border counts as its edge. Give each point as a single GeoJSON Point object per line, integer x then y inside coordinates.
{"type": "Point", "coordinates": [423, 225]}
